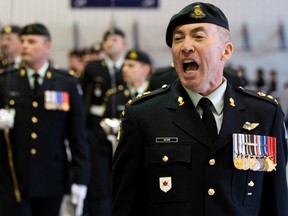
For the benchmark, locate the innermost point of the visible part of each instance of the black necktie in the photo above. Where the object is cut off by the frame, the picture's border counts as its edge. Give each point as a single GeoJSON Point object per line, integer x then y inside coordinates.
{"type": "Point", "coordinates": [36, 82]}
{"type": "Point", "coordinates": [208, 118]}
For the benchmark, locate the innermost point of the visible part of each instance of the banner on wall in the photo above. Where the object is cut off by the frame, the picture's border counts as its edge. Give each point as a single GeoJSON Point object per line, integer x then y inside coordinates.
{"type": "Point", "coordinates": [114, 3]}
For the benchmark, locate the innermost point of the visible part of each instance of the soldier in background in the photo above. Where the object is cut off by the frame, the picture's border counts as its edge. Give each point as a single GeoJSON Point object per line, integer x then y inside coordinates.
{"type": "Point", "coordinates": [49, 108]}
{"type": "Point", "coordinates": [99, 77]}
{"type": "Point", "coordinates": [10, 46]}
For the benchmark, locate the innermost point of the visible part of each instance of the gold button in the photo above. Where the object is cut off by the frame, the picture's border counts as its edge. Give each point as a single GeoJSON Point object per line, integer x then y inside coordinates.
{"type": "Point", "coordinates": [165, 159]}
{"type": "Point", "coordinates": [33, 151]}
{"type": "Point", "coordinates": [34, 119]}
{"type": "Point", "coordinates": [35, 104]}
{"type": "Point", "coordinates": [212, 162]}
{"type": "Point", "coordinates": [33, 135]}
{"type": "Point", "coordinates": [211, 192]}
{"type": "Point", "coordinates": [251, 184]}
{"type": "Point", "coordinates": [11, 102]}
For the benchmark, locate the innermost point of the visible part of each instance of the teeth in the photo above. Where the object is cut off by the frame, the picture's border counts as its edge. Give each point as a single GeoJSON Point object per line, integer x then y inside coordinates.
{"type": "Point", "coordinates": [188, 61]}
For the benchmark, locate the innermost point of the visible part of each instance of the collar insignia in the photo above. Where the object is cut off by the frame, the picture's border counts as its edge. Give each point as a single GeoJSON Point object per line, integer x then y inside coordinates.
{"type": "Point", "coordinates": [180, 101]}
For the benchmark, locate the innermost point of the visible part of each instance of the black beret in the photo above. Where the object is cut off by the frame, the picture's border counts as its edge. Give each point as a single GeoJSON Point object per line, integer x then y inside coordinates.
{"type": "Point", "coordinates": [113, 31]}
{"type": "Point", "coordinates": [197, 12]}
{"type": "Point", "coordinates": [35, 29]}
{"type": "Point", "coordinates": [138, 55]}
{"type": "Point", "coordinates": [10, 29]}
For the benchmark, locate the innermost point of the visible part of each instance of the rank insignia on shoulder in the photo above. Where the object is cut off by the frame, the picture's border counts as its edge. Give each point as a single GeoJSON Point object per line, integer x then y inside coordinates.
{"type": "Point", "coordinates": [56, 100]}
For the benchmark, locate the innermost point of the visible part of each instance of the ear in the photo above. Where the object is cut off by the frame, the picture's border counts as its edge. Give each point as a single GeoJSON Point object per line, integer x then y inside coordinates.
{"type": "Point", "coordinates": [227, 51]}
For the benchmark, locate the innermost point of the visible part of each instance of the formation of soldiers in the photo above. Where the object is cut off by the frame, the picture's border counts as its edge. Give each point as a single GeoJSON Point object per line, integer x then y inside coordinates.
{"type": "Point", "coordinates": [69, 111]}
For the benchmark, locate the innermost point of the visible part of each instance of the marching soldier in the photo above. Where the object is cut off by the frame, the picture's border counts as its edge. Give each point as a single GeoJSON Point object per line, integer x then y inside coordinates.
{"type": "Point", "coordinates": [136, 69]}
{"type": "Point", "coordinates": [200, 146]}
{"type": "Point", "coordinates": [10, 46]}
{"type": "Point", "coordinates": [98, 78]}
{"type": "Point", "coordinates": [48, 110]}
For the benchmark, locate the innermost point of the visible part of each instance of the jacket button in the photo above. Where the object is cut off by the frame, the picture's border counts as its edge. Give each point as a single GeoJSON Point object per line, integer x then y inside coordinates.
{"type": "Point", "coordinates": [34, 119]}
{"type": "Point", "coordinates": [251, 184]}
{"type": "Point", "coordinates": [165, 159]}
{"type": "Point", "coordinates": [35, 104]}
{"type": "Point", "coordinates": [12, 102]}
{"type": "Point", "coordinates": [33, 151]}
{"type": "Point", "coordinates": [33, 135]}
{"type": "Point", "coordinates": [211, 192]}
{"type": "Point", "coordinates": [212, 162]}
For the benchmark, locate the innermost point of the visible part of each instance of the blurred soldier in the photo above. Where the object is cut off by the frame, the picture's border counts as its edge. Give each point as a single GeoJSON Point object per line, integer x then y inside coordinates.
{"type": "Point", "coordinates": [99, 77]}
{"type": "Point", "coordinates": [10, 46]}
{"type": "Point", "coordinates": [75, 64]}
{"type": "Point", "coordinates": [162, 76]}
{"type": "Point", "coordinates": [136, 70]}
{"type": "Point", "coordinates": [49, 108]}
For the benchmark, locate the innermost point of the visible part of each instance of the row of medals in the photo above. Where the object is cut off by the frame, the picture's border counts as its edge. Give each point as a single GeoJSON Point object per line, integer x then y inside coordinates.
{"type": "Point", "coordinates": [256, 164]}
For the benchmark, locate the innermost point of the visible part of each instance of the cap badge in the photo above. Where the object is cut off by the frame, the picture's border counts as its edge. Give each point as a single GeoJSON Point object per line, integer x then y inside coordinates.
{"type": "Point", "coordinates": [7, 29]}
{"type": "Point", "coordinates": [30, 29]}
{"type": "Point", "coordinates": [198, 12]}
{"type": "Point", "coordinates": [133, 55]}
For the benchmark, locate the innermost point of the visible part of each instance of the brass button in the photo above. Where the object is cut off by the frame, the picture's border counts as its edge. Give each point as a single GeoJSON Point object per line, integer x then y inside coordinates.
{"type": "Point", "coordinates": [33, 135]}
{"type": "Point", "coordinates": [33, 151]}
{"type": "Point", "coordinates": [251, 184]}
{"type": "Point", "coordinates": [211, 192]}
{"type": "Point", "coordinates": [165, 159]}
{"type": "Point", "coordinates": [34, 119]}
{"type": "Point", "coordinates": [35, 104]}
{"type": "Point", "coordinates": [212, 162]}
{"type": "Point", "coordinates": [11, 102]}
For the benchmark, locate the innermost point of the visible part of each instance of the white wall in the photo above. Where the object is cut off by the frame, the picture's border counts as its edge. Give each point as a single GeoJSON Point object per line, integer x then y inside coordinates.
{"type": "Point", "coordinates": [261, 16]}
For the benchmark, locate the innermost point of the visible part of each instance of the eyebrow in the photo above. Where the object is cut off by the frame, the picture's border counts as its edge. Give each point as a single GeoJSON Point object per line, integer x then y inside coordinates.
{"type": "Point", "coordinates": [195, 30]}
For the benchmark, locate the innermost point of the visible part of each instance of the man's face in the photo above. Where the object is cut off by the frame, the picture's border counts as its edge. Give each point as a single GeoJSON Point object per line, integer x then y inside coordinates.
{"type": "Point", "coordinates": [114, 45]}
{"type": "Point", "coordinates": [134, 72]}
{"type": "Point", "coordinates": [35, 49]}
{"type": "Point", "coordinates": [10, 44]}
{"type": "Point", "coordinates": [199, 52]}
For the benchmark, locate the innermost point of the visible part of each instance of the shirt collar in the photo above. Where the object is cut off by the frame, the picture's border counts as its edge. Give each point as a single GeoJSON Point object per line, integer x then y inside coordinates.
{"type": "Point", "coordinates": [41, 71]}
{"type": "Point", "coordinates": [216, 97]}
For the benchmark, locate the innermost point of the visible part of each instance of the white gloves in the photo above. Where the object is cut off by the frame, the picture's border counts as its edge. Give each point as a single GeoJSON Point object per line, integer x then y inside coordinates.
{"type": "Point", "coordinates": [78, 194]}
{"type": "Point", "coordinates": [7, 118]}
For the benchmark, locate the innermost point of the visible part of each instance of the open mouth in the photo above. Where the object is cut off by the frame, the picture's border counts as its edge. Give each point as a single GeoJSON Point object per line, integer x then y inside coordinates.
{"type": "Point", "coordinates": [190, 65]}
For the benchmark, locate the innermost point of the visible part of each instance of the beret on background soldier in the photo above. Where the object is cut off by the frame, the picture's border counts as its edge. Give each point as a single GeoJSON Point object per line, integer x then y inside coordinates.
{"type": "Point", "coordinates": [35, 29]}
{"type": "Point", "coordinates": [138, 55]}
{"type": "Point", "coordinates": [196, 13]}
{"type": "Point", "coordinates": [113, 31]}
{"type": "Point", "coordinates": [10, 29]}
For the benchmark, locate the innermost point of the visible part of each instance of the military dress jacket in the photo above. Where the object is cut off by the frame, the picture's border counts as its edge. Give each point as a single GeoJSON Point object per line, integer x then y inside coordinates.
{"type": "Point", "coordinates": [163, 142]}
{"type": "Point", "coordinates": [43, 122]}
{"type": "Point", "coordinates": [97, 81]}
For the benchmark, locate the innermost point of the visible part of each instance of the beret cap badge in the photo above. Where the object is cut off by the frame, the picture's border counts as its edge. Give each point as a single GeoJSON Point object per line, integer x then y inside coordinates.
{"type": "Point", "coordinates": [198, 12]}
{"type": "Point", "coordinates": [7, 29]}
{"type": "Point", "coordinates": [133, 55]}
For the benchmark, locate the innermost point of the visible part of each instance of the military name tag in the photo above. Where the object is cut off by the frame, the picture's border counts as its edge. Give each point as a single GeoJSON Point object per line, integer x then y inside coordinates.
{"type": "Point", "coordinates": [254, 152]}
{"type": "Point", "coordinates": [166, 139]}
{"type": "Point", "coordinates": [56, 100]}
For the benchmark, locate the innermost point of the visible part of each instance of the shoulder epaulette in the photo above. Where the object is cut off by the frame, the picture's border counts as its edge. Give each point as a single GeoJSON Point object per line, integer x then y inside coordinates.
{"type": "Point", "coordinates": [149, 94]}
{"type": "Point", "coordinates": [259, 94]}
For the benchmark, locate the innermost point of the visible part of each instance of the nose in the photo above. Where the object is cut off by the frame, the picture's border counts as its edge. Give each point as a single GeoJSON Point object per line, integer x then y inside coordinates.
{"type": "Point", "coordinates": [187, 46]}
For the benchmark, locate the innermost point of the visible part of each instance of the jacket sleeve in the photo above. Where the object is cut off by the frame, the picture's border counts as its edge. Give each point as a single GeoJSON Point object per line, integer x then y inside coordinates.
{"type": "Point", "coordinates": [275, 194]}
{"type": "Point", "coordinates": [128, 181]}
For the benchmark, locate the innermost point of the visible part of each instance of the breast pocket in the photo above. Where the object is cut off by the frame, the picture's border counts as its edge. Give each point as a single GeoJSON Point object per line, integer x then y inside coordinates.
{"type": "Point", "coordinates": [168, 172]}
